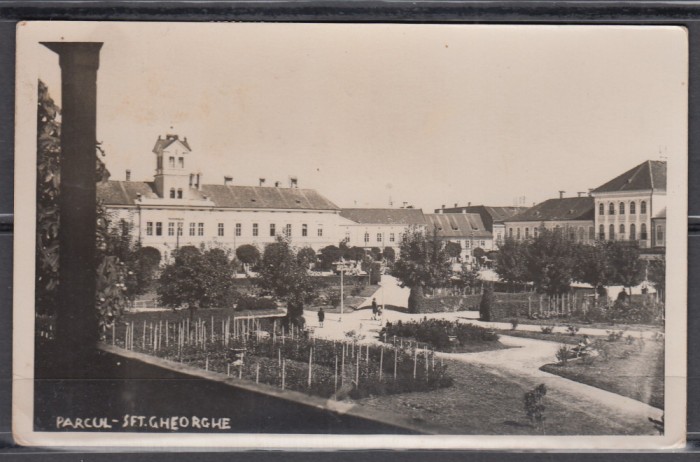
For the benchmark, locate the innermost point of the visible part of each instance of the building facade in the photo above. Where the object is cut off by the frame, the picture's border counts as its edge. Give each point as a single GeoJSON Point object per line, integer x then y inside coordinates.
{"type": "Point", "coordinates": [466, 229]}
{"type": "Point", "coordinates": [177, 209]}
{"type": "Point", "coordinates": [377, 227]}
{"type": "Point", "coordinates": [572, 215]}
{"type": "Point", "coordinates": [632, 206]}
{"type": "Point", "coordinates": [492, 217]}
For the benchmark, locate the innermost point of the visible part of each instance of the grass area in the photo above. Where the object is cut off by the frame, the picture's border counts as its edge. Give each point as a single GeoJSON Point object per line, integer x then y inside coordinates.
{"type": "Point", "coordinates": [635, 370]}
{"type": "Point", "coordinates": [562, 322]}
{"type": "Point", "coordinates": [482, 402]}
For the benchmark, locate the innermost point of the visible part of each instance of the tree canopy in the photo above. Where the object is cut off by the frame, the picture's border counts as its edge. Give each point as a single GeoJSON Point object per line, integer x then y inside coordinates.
{"type": "Point", "coordinates": [248, 254]}
{"type": "Point", "coordinates": [423, 261]}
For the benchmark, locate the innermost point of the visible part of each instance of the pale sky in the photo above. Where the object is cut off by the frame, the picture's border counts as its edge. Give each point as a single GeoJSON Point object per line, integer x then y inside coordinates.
{"type": "Point", "coordinates": [427, 114]}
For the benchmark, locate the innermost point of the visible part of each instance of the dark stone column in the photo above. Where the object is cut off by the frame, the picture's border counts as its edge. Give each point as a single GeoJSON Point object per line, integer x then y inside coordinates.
{"type": "Point", "coordinates": [76, 323]}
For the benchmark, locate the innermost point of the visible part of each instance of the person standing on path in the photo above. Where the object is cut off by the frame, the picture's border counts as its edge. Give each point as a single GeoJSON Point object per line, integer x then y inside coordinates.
{"type": "Point", "coordinates": [374, 309]}
{"type": "Point", "coordinates": [321, 316]}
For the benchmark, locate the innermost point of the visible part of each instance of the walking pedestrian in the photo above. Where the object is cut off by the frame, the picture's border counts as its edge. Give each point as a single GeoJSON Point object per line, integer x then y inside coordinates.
{"type": "Point", "coordinates": [374, 309]}
{"type": "Point", "coordinates": [321, 316]}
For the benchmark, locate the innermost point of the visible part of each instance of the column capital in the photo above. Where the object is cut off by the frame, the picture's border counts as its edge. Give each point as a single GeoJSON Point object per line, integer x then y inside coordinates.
{"type": "Point", "coordinates": [71, 54]}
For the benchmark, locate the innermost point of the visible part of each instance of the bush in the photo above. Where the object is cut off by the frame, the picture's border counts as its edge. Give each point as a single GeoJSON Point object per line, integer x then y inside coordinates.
{"type": "Point", "coordinates": [514, 324]}
{"type": "Point", "coordinates": [534, 405]}
{"type": "Point", "coordinates": [563, 354]}
{"type": "Point", "coordinates": [486, 305]}
{"type": "Point", "coordinates": [547, 329]}
{"type": "Point", "coordinates": [572, 330]}
{"type": "Point", "coordinates": [636, 311]}
{"type": "Point", "coordinates": [614, 336]}
{"type": "Point", "coordinates": [247, 303]}
{"type": "Point", "coordinates": [438, 333]}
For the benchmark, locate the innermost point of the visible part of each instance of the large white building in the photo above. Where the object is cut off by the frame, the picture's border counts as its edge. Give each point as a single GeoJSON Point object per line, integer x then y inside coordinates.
{"type": "Point", "coordinates": [466, 229]}
{"type": "Point", "coordinates": [632, 206]}
{"type": "Point", "coordinates": [367, 227]}
{"type": "Point", "coordinates": [178, 209]}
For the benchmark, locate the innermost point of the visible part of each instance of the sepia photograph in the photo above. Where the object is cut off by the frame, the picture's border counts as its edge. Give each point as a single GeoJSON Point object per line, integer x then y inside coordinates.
{"type": "Point", "coordinates": [389, 235]}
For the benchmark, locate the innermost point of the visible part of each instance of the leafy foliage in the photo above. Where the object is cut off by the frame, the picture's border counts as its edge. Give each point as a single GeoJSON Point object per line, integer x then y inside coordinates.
{"type": "Point", "coordinates": [255, 303]}
{"type": "Point", "coordinates": [657, 275]}
{"type": "Point", "coordinates": [389, 254]}
{"type": "Point", "coordinates": [113, 277]}
{"type": "Point", "coordinates": [511, 262]}
{"type": "Point", "coordinates": [306, 256]}
{"type": "Point", "coordinates": [593, 266]}
{"type": "Point", "coordinates": [551, 261]}
{"type": "Point", "coordinates": [328, 255]}
{"type": "Point", "coordinates": [437, 333]}
{"type": "Point", "coordinates": [248, 254]}
{"type": "Point", "coordinates": [534, 405]}
{"type": "Point", "coordinates": [198, 279]}
{"type": "Point", "coordinates": [453, 249]}
{"type": "Point", "coordinates": [627, 267]}
{"type": "Point", "coordinates": [423, 261]}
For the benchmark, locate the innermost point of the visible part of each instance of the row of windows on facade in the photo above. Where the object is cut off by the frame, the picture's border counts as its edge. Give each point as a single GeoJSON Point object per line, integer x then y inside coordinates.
{"type": "Point", "coordinates": [621, 208]}
{"type": "Point", "coordinates": [601, 232]}
{"type": "Point", "coordinates": [379, 237]}
{"type": "Point", "coordinates": [197, 229]}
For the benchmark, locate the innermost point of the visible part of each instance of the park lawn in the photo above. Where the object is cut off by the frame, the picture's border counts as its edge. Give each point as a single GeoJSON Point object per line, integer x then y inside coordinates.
{"type": "Point", "coordinates": [562, 322]}
{"type": "Point", "coordinates": [627, 371]}
{"type": "Point", "coordinates": [483, 402]}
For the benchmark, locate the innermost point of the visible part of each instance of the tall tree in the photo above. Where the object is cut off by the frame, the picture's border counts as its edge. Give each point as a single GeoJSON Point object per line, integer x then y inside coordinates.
{"type": "Point", "coordinates": [329, 255]}
{"type": "Point", "coordinates": [551, 261]}
{"type": "Point", "coordinates": [593, 265]}
{"type": "Point", "coordinates": [656, 274]}
{"type": "Point", "coordinates": [423, 262]}
{"type": "Point", "coordinates": [282, 276]}
{"type": "Point", "coordinates": [454, 250]}
{"type": "Point", "coordinates": [198, 279]}
{"type": "Point", "coordinates": [249, 255]}
{"type": "Point", "coordinates": [626, 264]}
{"type": "Point", "coordinates": [511, 263]}
{"type": "Point", "coordinates": [389, 254]}
{"type": "Point", "coordinates": [306, 256]}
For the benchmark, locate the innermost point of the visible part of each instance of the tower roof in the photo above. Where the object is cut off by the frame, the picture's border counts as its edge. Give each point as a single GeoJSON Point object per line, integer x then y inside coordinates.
{"type": "Point", "coordinates": [162, 143]}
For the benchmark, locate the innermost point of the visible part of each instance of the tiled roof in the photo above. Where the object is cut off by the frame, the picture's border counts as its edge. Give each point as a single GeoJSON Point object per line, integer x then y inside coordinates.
{"type": "Point", "coordinates": [568, 208]}
{"type": "Point", "coordinates": [650, 174]}
{"type": "Point", "coordinates": [384, 216]}
{"type": "Point", "coordinates": [124, 192]}
{"type": "Point", "coordinates": [457, 225]}
{"type": "Point", "coordinates": [266, 197]}
{"type": "Point", "coordinates": [244, 197]}
{"type": "Point", "coordinates": [503, 213]}
{"type": "Point", "coordinates": [162, 143]}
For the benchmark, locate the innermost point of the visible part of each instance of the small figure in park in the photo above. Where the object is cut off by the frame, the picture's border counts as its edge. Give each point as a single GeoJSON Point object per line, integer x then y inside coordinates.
{"type": "Point", "coordinates": [380, 310]}
{"type": "Point", "coordinates": [374, 309]}
{"type": "Point", "coordinates": [321, 316]}
{"type": "Point", "coordinates": [583, 346]}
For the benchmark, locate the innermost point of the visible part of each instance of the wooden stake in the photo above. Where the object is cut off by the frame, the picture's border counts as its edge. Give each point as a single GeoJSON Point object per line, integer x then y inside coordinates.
{"type": "Point", "coordinates": [396, 361]}
{"type": "Point", "coordinates": [284, 361]}
{"type": "Point", "coordinates": [257, 373]}
{"type": "Point", "coordinates": [415, 362]}
{"type": "Point", "coordinates": [113, 332]}
{"type": "Point", "coordinates": [335, 381]}
{"type": "Point", "coordinates": [381, 362]}
{"type": "Point", "coordinates": [311, 350]}
{"type": "Point", "coordinates": [143, 340]}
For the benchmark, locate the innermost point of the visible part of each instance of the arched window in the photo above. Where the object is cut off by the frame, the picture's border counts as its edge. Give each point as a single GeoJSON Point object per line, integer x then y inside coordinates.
{"type": "Point", "coordinates": [527, 233]}
{"type": "Point", "coordinates": [611, 209]}
{"type": "Point", "coordinates": [510, 233]}
{"type": "Point", "coordinates": [591, 233]}
{"type": "Point", "coordinates": [622, 231]}
{"type": "Point", "coordinates": [179, 193]}
{"type": "Point", "coordinates": [622, 208]}
{"type": "Point", "coordinates": [633, 231]}
{"type": "Point", "coordinates": [517, 233]}
{"type": "Point", "coordinates": [581, 234]}
{"type": "Point", "coordinates": [643, 207]}
{"type": "Point", "coordinates": [633, 208]}
{"type": "Point", "coordinates": [601, 232]}
{"type": "Point", "coordinates": [643, 232]}
{"type": "Point", "coordinates": [601, 209]}
{"type": "Point", "coordinates": [611, 233]}
{"type": "Point", "coordinates": [172, 193]}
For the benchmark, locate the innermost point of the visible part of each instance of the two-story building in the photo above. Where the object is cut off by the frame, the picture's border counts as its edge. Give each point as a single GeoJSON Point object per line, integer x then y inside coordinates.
{"type": "Point", "coordinates": [177, 209]}
{"type": "Point", "coordinates": [632, 206]}
{"type": "Point", "coordinates": [466, 229]}
{"type": "Point", "coordinates": [572, 215]}
{"type": "Point", "coordinates": [492, 217]}
{"type": "Point", "coordinates": [378, 227]}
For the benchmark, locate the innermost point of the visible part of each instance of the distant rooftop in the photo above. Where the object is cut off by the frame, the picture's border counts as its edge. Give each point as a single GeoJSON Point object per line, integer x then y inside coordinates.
{"type": "Point", "coordinates": [568, 208]}
{"type": "Point", "coordinates": [457, 225]}
{"type": "Point", "coordinates": [650, 174]}
{"type": "Point", "coordinates": [384, 216]}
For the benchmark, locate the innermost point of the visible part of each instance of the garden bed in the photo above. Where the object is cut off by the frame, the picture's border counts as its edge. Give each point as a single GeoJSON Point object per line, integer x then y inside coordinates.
{"type": "Point", "coordinates": [557, 337]}
{"type": "Point", "coordinates": [441, 335]}
{"type": "Point", "coordinates": [634, 369]}
{"type": "Point", "coordinates": [262, 351]}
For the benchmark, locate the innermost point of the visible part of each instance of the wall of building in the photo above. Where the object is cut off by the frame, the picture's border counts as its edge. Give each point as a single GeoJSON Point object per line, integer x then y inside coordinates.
{"type": "Point", "coordinates": [627, 225]}
{"type": "Point", "coordinates": [582, 231]}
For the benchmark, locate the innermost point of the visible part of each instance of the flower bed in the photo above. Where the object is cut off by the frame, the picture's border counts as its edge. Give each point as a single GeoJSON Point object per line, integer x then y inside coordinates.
{"type": "Point", "coordinates": [290, 360]}
{"type": "Point", "coordinates": [441, 334]}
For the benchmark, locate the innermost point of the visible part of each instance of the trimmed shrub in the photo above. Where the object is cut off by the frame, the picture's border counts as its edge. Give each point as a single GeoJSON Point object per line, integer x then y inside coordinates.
{"type": "Point", "coordinates": [255, 303]}
{"type": "Point", "coordinates": [438, 333]}
{"type": "Point", "coordinates": [486, 305]}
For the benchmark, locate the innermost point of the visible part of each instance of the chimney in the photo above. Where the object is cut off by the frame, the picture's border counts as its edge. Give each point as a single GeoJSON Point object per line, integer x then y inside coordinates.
{"type": "Point", "coordinates": [590, 190]}
{"type": "Point", "coordinates": [138, 196]}
{"type": "Point", "coordinates": [404, 205]}
{"type": "Point", "coordinates": [293, 182]}
{"type": "Point", "coordinates": [277, 184]}
{"type": "Point", "coordinates": [580, 193]}
{"type": "Point", "coordinates": [261, 181]}
{"type": "Point", "coordinates": [561, 194]}
{"type": "Point", "coordinates": [128, 175]}
{"type": "Point", "coordinates": [469, 204]}
{"type": "Point", "coordinates": [199, 181]}
{"type": "Point", "coordinates": [455, 204]}
{"type": "Point", "coordinates": [227, 180]}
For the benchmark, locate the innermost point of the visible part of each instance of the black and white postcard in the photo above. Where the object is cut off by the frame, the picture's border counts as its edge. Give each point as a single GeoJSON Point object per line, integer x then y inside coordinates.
{"type": "Point", "coordinates": [341, 236]}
